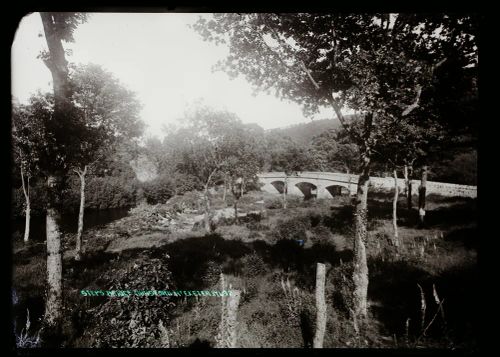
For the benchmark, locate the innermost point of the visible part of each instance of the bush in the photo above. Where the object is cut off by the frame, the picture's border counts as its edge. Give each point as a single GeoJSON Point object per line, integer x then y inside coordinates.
{"type": "Point", "coordinates": [192, 200]}
{"type": "Point", "coordinates": [292, 229]}
{"type": "Point", "coordinates": [252, 265]}
{"type": "Point", "coordinates": [274, 203]}
{"type": "Point", "coordinates": [185, 183]}
{"type": "Point", "coordinates": [343, 287]}
{"type": "Point", "coordinates": [321, 235]}
{"type": "Point", "coordinates": [134, 321]}
{"type": "Point", "coordinates": [159, 190]}
{"type": "Point", "coordinates": [106, 192]}
{"type": "Point", "coordinates": [212, 273]}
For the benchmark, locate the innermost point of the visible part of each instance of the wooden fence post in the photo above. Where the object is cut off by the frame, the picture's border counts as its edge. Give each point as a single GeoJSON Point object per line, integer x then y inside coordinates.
{"type": "Point", "coordinates": [320, 306]}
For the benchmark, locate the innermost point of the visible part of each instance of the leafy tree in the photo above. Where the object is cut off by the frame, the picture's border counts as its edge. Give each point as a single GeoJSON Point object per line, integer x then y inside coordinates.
{"type": "Point", "coordinates": [241, 162]}
{"type": "Point", "coordinates": [110, 115]}
{"type": "Point", "coordinates": [377, 65]}
{"type": "Point", "coordinates": [214, 146]}
{"type": "Point", "coordinates": [334, 152]}
{"type": "Point", "coordinates": [25, 154]}
{"type": "Point", "coordinates": [63, 129]}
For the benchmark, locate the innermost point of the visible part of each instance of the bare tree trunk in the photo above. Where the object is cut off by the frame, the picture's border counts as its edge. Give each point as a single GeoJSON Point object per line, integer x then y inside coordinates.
{"type": "Point", "coordinates": [225, 190]}
{"type": "Point", "coordinates": [320, 306]}
{"type": "Point", "coordinates": [408, 186]}
{"type": "Point", "coordinates": [395, 208]}
{"type": "Point", "coordinates": [285, 189]}
{"type": "Point", "coordinates": [208, 227]}
{"type": "Point", "coordinates": [409, 198]}
{"type": "Point", "coordinates": [421, 195]}
{"type": "Point", "coordinates": [236, 211]}
{"type": "Point", "coordinates": [207, 211]}
{"type": "Point", "coordinates": [27, 210]}
{"type": "Point", "coordinates": [405, 175]}
{"type": "Point", "coordinates": [349, 184]}
{"type": "Point", "coordinates": [78, 250]}
{"type": "Point", "coordinates": [53, 307]}
{"type": "Point", "coordinates": [360, 273]}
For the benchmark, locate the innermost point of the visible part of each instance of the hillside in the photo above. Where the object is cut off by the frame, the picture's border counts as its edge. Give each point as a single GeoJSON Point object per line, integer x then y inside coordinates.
{"type": "Point", "coordinates": [303, 133]}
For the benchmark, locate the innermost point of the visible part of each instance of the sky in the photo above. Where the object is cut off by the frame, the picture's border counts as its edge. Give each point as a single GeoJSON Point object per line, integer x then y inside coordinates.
{"type": "Point", "coordinates": [160, 58]}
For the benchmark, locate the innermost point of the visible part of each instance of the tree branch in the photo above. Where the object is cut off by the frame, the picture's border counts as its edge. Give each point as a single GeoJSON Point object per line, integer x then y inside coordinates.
{"type": "Point", "coordinates": [415, 104]}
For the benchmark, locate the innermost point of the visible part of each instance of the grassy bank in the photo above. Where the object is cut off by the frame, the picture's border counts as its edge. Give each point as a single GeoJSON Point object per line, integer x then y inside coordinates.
{"type": "Point", "coordinates": [272, 259]}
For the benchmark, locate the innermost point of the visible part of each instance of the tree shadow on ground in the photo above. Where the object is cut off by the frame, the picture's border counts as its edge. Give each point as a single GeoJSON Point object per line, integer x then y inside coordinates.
{"type": "Point", "coordinates": [459, 212]}
{"type": "Point", "coordinates": [467, 236]}
{"type": "Point", "coordinates": [393, 286]}
{"type": "Point", "coordinates": [190, 257]}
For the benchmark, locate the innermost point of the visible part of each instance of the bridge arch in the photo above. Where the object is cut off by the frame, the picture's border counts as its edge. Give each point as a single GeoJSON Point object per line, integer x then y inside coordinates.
{"type": "Point", "coordinates": [308, 189]}
{"type": "Point", "coordinates": [278, 185]}
{"type": "Point", "coordinates": [337, 190]}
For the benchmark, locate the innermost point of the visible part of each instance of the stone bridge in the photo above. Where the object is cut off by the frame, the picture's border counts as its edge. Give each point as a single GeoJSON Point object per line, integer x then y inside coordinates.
{"type": "Point", "coordinates": [310, 184]}
{"type": "Point", "coordinates": [330, 184]}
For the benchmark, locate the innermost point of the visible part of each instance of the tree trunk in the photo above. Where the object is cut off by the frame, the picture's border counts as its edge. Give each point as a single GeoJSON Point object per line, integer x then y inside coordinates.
{"type": "Point", "coordinates": [410, 189]}
{"type": "Point", "coordinates": [320, 306]}
{"type": "Point", "coordinates": [421, 195]}
{"type": "Point", "coordinates": [225, 190]}
{"type": "Point", "coordinates": [207, 211]}
{"type": "Point", "coordinates": [78, 250]}
{"type": "Point", "coordinates": [395, 208]}
{"type": "Point", "coordinates": [405, 175]}
{"type": "Point", "coordinates": [349, 184]}
{"type": "Point", "coordinates": [58, 66]}
{"type": "Point", "coordinates": [208, 227]}
{"type": "Point", "coordinates": [285, 189]}
{"type": "Point", "coordinates": [360, 273]}
{"type": "Point", "coordinates": [236, 211]}
{"type": "Point", "coordinates": [26, 191]}
{"type": "Point", "coordinates": [53, 307]}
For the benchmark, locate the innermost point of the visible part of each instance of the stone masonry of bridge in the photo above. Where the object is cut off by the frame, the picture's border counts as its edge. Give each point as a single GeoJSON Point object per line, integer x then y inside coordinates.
{"type": "Point", "coordinates": [327, 184]}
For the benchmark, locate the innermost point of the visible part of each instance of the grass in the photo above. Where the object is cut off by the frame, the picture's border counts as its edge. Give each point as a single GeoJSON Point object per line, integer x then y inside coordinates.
{"type": "Point", "coordinates": [257, 255]}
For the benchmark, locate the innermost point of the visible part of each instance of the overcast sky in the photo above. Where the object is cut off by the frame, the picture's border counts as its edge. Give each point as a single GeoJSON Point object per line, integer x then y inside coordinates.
{"type": "Point", "coordinates": [159, 57]}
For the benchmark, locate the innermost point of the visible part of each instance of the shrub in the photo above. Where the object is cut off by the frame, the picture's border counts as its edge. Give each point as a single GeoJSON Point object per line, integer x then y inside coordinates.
{"type": "Point", "coordinates": [274, 203]}
{"type": "Point", "coordinates": [189, 200]}
{"type": "Point", "coordinates": [212, 273]}
{"type": "Point", "coordinates": [321, 235]}
{"type": "Point", "coordinates": [159, 190]}
{"type": "Point", "coordinates": [185, 183]}
{"type": "Point", "coordinates": [343, 287]}
{"type": "Point", "coordinates": [252, 265]}
{"type": "Point", "coordinates": [293, 229]}
{"type": "Point", "coordinates": [133, 321]}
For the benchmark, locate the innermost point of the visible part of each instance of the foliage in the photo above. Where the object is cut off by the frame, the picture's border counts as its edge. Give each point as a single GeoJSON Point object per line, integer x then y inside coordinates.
{"type": "Point", "coordinates": [292, 229]}
{"type": "Point", "coordinates": [190, 200]}
{"type": "Point", "coordinates": [158, 190]}
{"type": "Point", "coordinates": [109, 113]}
{"type": "Point", "coordinates": [253, 265]}
{"type": "Point", "coordinates": [133, 321]}
{"type": "Point", "coordinates": [460, 169]}
{"type": "Point", "coordinates": [332, 151]}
